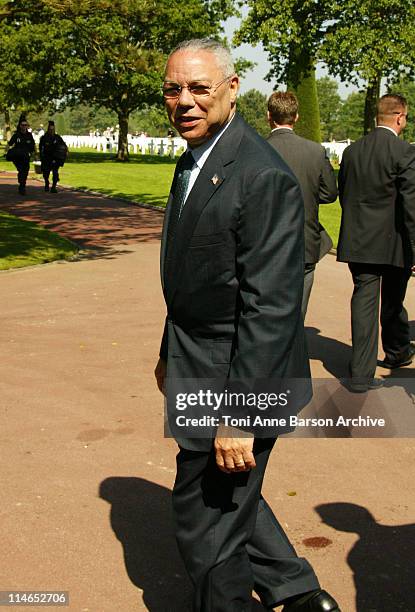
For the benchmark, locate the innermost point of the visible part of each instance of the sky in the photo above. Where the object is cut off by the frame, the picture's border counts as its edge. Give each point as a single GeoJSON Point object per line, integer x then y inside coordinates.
{"type": "Point", "coordinates": [255, 79]}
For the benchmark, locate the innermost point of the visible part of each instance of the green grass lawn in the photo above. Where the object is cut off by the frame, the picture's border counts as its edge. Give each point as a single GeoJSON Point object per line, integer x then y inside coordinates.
{"type": "Point", "coordinates": [23, 243]}
{"type": "Point", "coordinates": [145, 178]}
{"type": "Point", "coordinates": [330, 216]}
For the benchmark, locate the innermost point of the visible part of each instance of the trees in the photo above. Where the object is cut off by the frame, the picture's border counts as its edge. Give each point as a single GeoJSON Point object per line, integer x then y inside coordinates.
{"type": "Point", "coordinates": [405, 86]}
{"type": "Point", "coordinates": [150, 119]}
{"type": "Point", "coordinates": [340, 119]}
{"type": "Point", "coordinates": [252, 105]}
{"type": "Point", "coordinates": [33, 57]}
{"type": "Point", "coordinates": [371, 40]}
{"type": "Point", "coordinates": [122, 46]}
{"type": "Point", "coordinates": [330, 105]}
{"type": "Point", "coordinates": [350, 123]}
{"type": "Point", "coordinates": [366, 40]}
{"type": "Point", "coordinates": [105, 53]}
{"type": "Point", "coordinates": [292, 32]}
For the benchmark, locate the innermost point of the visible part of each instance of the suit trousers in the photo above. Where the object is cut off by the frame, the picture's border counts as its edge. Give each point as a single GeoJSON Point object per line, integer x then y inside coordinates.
{"type": "Point", "coordinates": [372, 281]}
{"type": "Point", "coordinates": [229, 539]}
{"type": "Point", "coordinates": [308, 285]}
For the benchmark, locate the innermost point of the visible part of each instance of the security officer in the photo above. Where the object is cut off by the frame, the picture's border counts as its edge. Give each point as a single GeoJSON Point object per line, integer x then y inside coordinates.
{"type": "Point", "coordinates": [21, 146]}
{"type": "Point", "coordinates": [53, 152]}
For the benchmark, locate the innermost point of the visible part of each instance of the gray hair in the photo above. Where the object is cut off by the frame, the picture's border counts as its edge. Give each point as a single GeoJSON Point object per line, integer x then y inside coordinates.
{"type": "Point", "coordinates": [221, 52]}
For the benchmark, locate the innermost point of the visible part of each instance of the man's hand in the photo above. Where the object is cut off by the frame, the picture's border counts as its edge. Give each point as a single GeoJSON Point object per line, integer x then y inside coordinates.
{"type": "Point", "coordinates": [160, 374]}
{"type": "Point", "coordinates": [234, 450]}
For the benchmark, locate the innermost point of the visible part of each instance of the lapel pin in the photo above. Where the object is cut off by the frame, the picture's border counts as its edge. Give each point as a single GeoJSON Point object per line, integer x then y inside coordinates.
{"type": "Point", "coordinates": [215, 179]}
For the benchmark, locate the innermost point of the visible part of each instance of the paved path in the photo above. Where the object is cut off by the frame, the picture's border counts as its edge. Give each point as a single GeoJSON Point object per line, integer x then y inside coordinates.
{"type": "Point", "coordinates": [86, 472]}
{"type": "Point", "coordinates": [93, 222]}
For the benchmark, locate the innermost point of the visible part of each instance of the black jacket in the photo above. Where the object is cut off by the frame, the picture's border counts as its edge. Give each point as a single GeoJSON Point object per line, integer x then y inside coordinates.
{"type": "Point", "coordinates": [377, 195]}
{"type": "Point", "coordinates": [23, 143]}
{"type": "Point", "coordinates": [52, 148]}
{"type": "Point", "coordinates": [233, 280]}
{"type": "Point", "coordinates": [310, 164]}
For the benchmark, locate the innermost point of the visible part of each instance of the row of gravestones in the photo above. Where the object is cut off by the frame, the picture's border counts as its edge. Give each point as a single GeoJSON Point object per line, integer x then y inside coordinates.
{"type": "Point", "coordinates": [140, 144]}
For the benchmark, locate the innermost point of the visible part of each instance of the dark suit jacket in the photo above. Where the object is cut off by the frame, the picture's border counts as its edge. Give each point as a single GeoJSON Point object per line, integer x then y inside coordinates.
{"type": "Point", "coordinates": [377, 195]}
{"type": "Point", "coordinates": [310, 164]}
{"type": "Point", "coordinates": [234, 283]}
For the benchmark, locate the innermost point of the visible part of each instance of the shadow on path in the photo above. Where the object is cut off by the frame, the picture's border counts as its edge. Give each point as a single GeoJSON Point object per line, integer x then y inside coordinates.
{"type": "Point", "coordinates": [141, 520]}
{"type": "Point", "coordinates": [382, 560]}
{"type": "Point", "coordinates": [333, 354]}
{"type": "Point", "coordinates": [92, 222]}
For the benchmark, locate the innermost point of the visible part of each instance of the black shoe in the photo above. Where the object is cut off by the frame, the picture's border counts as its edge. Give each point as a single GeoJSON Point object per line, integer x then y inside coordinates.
{"type": "Point", "coordinates": [47, 187]}
{"type": "Point", "coordinates": [22, 190]}
{"type": "Point", "coordinates": [362, 386]}
{"type": "Point", "coordinates": [54, 190]}
{"type": "Point", "coordinates": [315, 601]}
{"type": "Point", "coordinates": [405, 360]}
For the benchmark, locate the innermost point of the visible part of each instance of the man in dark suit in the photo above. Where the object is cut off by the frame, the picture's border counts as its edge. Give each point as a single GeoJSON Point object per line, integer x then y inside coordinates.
{"type": "Point", "coordinates": [310, 164]}
{"type": "Point", "coordinates": [232, 273]}
{"type": "Point", "coordinates": [377, 239]}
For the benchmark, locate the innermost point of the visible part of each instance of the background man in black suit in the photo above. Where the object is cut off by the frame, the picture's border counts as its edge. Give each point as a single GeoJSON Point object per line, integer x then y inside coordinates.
{"type": "Point", "coordinates": [310, 164]}
{"type": "Point", "coordinates": [232, 273]}
{"type": "Point", "coordinates": [377, 239]}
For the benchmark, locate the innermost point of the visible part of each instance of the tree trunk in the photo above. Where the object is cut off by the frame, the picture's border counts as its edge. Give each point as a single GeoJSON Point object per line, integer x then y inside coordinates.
{"type": "Point", "coordinates": [301, 79]}
{"type": "Point", "coordinates": [371, 100]}
{"type": "Point", "coordinates": [122, 154]}
{"type": "Point", "coordinates": [7, 128]}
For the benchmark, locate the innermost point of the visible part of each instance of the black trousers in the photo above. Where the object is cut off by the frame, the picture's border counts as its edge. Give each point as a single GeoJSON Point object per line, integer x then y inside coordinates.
{"type": "Point", "coordinates": [22, 167]}
{"type": "Point", "coordinates": [47, 168]}
{"type": "Point", "coordinates": [371, 282]}
{"type": "Point", "coordinates": [308, 285]}
{"type": "Point", "coordinates": [230, 541]}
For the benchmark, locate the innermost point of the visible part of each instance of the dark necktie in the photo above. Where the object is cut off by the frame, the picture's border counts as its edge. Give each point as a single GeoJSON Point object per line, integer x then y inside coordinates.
{"type": "Point", "coordinates": [182, 184]}
{"type": "Point", "coordinates": [179, 195]}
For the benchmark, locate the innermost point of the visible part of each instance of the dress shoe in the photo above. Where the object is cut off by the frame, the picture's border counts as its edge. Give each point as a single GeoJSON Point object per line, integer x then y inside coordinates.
{"type": "Point", "coordinates": [362, 386]}
{"type": "Point", "coordinates": [22, 190]}
{"type": "Point", "coordinates": [405, 360]}
{"type": "Point", "coordinates": [315, 601]}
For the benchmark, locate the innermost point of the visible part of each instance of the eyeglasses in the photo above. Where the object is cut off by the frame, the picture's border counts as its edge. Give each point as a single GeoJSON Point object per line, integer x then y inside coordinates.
{"type": "Point", "coordinates": [197, 90]}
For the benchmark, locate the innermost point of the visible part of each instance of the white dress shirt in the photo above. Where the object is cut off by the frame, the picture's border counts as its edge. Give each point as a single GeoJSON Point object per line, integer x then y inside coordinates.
{"type": "Point", "coordinates": [200, 155]}
{"type": "Point", "coordinates": [386, 127]}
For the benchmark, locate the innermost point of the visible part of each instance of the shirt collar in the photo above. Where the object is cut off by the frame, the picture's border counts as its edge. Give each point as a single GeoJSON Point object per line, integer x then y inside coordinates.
{"type": "Point", "coordinates": [201, 153]}
{"type": "Point", "coordinates": [286, 127]}
{"type": "Point", "coordinates": [386, 127]}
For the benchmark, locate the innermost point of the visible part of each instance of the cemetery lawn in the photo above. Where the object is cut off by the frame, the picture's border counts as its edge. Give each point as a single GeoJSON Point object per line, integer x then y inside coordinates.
{"type": "Point", "coordinates": [330, 217]}
{"type": "Point", "coordinates": [23, 243]}
{"type": "Point", "coordinates": [145, 178]}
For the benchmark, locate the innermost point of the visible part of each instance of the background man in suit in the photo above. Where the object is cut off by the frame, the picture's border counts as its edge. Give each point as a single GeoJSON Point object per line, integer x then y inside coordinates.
{"type": "Point", "coordinates": [377, 239]}
{"type": "Point", "coordinates": [232, 273]}
{"type": "Point", "coordinates": [310, 164]}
